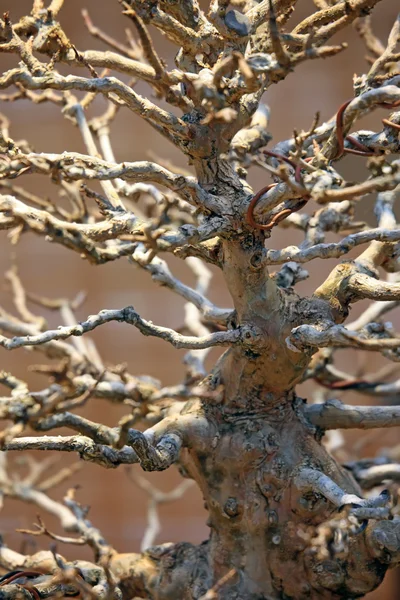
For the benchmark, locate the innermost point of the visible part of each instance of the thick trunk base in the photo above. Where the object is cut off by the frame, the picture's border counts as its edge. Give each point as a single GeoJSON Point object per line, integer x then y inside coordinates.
{"type": "Point", "coordinates": [269, 540]}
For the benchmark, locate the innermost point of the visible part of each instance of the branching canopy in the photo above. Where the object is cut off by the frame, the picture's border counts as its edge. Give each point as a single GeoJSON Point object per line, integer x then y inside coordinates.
{"type": "Point", "coordinates": [228, 55]}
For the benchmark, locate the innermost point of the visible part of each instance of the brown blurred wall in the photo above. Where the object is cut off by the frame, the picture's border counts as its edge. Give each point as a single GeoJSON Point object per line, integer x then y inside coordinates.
{"type": "Point", "coordinates": [118, 508]}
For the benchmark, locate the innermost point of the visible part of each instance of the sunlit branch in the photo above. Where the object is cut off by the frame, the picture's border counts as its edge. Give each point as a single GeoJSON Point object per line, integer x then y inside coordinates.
{"type": "Point", "coordinates": [335, 415]}
{"type": "Point", "coordinates": [130, 316]}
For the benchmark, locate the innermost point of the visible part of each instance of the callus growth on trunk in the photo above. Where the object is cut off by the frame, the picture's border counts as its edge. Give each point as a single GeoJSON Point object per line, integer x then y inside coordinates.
{"type": "Point", "coordinates": [287, 521]}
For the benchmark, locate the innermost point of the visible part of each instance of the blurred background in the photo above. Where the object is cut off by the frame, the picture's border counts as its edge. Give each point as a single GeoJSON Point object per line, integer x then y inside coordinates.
{"type": "Point", "coordinates": [118, 505]}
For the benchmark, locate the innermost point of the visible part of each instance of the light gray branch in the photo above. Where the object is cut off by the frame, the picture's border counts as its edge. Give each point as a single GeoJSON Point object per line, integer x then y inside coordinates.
{"type": "Point", "coordinates": [97, 432]}
{"type": "Point", "coordinates": [77, 111]}
{"type": "Point", "coordinates": [80, 166]}
{"type": "Point", "coordinates": [86, 448]}
{"type": "Point", "coordinates": [53, 348]}
{"type": "Point", "coordinates": [309, 479]}
{"type": "Point", "coordinates": [335, 415]}
{"type": "Point", "coordinates": [377, 474]}
{"type": "Point", "coordinates": [337, 335]}
{"type": "Point", "coordinates": [372, 314]}
{"type": "Point", "coordinates": [117, 62]}
{"type": "Point", "coordinates": [120, 222]}
{"type": "Point", "coordinates": [138, 449]}
{"type": "Point", "coordinates": [160, 272]}
{"type": "Point", "coordinates": [125, 315]}
{"type": "Point", "coordinates": [156, 497]}
{"type": "Point", "coordinates": [110, 87]}
{"type": "Point", "coordinates": [332, 250]}
{"type": "Point", "coordinates": [71, 515]}
{"type": "Point", "coordinates": [312, 480]}
{"type": "Point", "coordinates": [364, 286]}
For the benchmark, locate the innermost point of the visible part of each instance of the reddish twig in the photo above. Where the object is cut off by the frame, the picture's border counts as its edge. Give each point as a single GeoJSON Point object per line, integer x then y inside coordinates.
{"type": "Point", "coordinates": [391, 124]}
{"type": "Point", "coordinates": [297, 173]}
{"type": "Point", "coordinates": [339, 127]}
{"type": "Point", "coordinates": [14, 575]}
{"type": "Point", "coordinates": [280, 157]}
{"type": "Point", "coordinates": [280, 216]}
{"type": "Point", "coordinates": [276, 218]}
{"type": "Point", "coordinates": [32, 590]}
{"type": "Point", "coordinates": [249, 215]}
{"type": "Point", "coordinates": [346, 384]}
{"type": "Point", "coordinates": [362, 149]}
{"type": "Point", "coordinates": [10, 577]}
{"type": "Point", "coordinates": [296, 165]}
{"type": "Point", "coordinates": [286, 211]}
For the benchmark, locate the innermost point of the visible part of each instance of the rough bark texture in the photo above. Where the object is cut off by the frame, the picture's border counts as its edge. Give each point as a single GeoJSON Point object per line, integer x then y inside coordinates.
{"type": "Point", "coordinates": [286, 520]}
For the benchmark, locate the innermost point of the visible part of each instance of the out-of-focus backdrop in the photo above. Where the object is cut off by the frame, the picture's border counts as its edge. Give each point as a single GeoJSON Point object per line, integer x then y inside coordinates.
{"type": "Point", "coordinates": [118, 506]}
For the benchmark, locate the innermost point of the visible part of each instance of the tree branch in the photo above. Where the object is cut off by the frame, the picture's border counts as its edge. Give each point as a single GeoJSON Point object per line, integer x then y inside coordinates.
{"type": "Point", "coordinates": [375, 475]}
{"type": "Point", "coordinates": [108, 86]}
{"type": "Point", "coordinates": [80, 166]}
{"type": "Point", "coordinates": [348, 11]}
{"type": "Point", "coordinates": [337, 335]}
{"type": "Point", "coordinates": [156, 497]}
{"type": "Point", "coordinates": [139, 450]}
{"type": "Point", "coordinates": [332, 250]}
{"type": "Point", "coordinates": [160, 272]}
{"type": "Point", "coordinates": [362, 286]}
{"type": "Point", "coordinates": [130, 316]}
{"type": "Point", "coordinates": [335, 415]}
{"type": "Point", "coordinates": [312, 480]}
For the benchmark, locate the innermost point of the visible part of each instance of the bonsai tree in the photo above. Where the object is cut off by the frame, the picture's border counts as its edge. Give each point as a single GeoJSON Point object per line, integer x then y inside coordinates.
{"type": "Point", "coordinates": [286, 519]}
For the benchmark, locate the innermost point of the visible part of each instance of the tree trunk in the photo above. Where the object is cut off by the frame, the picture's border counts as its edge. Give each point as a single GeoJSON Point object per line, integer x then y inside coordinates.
{"type": "Point", "coordinates": [271, 536]}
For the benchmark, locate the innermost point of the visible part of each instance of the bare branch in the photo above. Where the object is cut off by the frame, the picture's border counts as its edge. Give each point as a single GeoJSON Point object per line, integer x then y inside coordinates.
{"type": "Point", "coordinates": [313, 480]}
{"type": "Point", "coordinates": [55, 6]}
{"type": "Point", "coordinates": [335, 415]}
{"type": "Point", "coordinates": [20, 299]}
{"type": "Point", "coordinates": [130, 316]}
{"type": "Point", "coordinates": [364, 30]}
{"type": "Point", "coordinates": [72, 516]}
{"type": "Point", "coordinates": [156, 497]}
{"type": "Point", "coordinates": [76, 110]}
{"type": "Point", "coordinates": [53, 349]}
{"type": "Point", "coordinates": [177, 32]}
{"type": "Point", "coordinates": [160, 272]}
{"type": "Point", "coordinates": [332, 250]}
{"type": "Point", "coordinates": [281, 55]}
{"type": "Point", "coordinates": [372, 314]}
{"type": "Point", "coordinates": [59, 477]}
{"type": "Point", "coordinates": [369, 477]}
{"type": "Point", "coordinates": [195, 359]}
{"type": "Point", "coordinates": [364, 286]}
{"type": "Point", "coordinates": [114, 61]}
{"type": "Point", "coordinates": [337, 335]}
{"type": "Point", "coordinates": [108, 86]}
{"type": "Point", "coordinates": [212, 593]}
{"type": "Point", "coordinates": [80, 166]}
{"type": "Point", "coordinates": [259, 13]}
{"type": "Point", "coordinates": [146, 42]}
{"type": "Point", "coordinates": [387, 54]}
{"type": "Point", "coordinates": [104, 37]}
{"type": "Point", "coordinates": [85, 447]}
